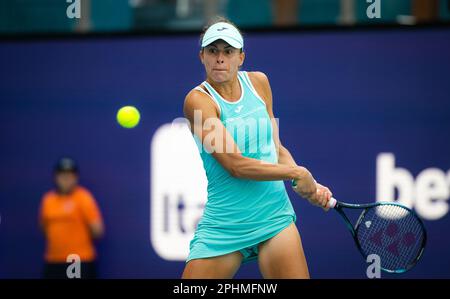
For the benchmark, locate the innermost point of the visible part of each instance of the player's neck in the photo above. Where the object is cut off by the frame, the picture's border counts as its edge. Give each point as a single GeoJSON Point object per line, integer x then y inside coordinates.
{"type": "Point", "coordinates": [229, 90]}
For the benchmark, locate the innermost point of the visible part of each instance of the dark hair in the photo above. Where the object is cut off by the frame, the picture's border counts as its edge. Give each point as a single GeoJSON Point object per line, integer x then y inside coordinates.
{"type": "Point", "coordinates": [215, 20]}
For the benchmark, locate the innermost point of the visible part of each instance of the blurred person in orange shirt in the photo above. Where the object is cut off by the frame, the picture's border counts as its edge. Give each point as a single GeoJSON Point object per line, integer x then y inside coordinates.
{"type": "Point", "coordinates": [71, 221]}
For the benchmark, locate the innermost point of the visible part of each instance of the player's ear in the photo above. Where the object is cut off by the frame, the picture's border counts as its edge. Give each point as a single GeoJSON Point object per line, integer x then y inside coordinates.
{"type": "Point", "coordinates": [200, 55]}
{"type": "Point", "coordinates": [242, 57]}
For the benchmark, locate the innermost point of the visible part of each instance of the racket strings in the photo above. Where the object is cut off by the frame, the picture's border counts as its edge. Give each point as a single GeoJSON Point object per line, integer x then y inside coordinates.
{"type": "Point", "coordinates": [393, 233]}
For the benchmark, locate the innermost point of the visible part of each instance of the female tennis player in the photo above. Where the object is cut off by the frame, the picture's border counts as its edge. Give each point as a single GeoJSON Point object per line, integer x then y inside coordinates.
{"type": "Point", "coordinates": [248, 214]}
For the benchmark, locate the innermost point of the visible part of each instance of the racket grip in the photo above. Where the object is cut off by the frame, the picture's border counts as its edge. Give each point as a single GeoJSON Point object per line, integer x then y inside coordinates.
{"type": "Point", "coordinates": [332, 203]}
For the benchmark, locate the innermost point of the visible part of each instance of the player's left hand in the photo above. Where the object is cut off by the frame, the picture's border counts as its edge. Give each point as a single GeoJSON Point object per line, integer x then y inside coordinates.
{"type": "Point", "coordinates": [323, 196]}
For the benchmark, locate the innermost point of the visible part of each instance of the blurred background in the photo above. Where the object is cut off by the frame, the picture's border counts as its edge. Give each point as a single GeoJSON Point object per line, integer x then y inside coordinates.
{"type": "Point", "coordinates": [43, 16]}
{"type": "Point", "coordinates": [361, 90]}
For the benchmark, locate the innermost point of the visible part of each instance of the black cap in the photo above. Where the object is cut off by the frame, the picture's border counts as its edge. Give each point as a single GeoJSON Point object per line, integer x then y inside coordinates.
{"type": "Point", "coordinates": [66, 164]}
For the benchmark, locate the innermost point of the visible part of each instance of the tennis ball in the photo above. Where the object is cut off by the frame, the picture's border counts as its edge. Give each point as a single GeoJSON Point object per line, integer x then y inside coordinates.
{"type": "Point", "coordinates": [128, 117]}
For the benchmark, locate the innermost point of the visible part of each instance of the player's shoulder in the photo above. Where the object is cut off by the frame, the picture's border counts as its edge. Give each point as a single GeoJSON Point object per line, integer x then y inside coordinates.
{"type": "Point", "coordinates": [195, 94]}
{"type": "Point", "coordinates": [258, 77]}
{"type": "Point", "coordinates": [196, 99]}
{"type": "Point", "coordinates": [260, 82]}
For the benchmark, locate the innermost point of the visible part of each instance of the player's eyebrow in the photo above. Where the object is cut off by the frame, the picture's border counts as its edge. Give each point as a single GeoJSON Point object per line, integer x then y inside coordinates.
{"type": "Point", "coordinates": [213, 45]}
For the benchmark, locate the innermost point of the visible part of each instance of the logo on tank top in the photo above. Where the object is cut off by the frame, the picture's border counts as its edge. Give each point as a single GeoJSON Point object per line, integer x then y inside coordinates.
{"type": "Point", "coordinates": [238, 109]}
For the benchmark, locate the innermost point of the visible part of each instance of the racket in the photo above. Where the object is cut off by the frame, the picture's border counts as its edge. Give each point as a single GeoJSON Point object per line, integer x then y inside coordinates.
{"type": "Point", "coordinates": [390, 230]}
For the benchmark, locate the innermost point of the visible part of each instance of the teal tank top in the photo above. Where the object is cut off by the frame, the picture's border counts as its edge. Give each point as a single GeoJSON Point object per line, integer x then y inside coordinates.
{"type": "Point", "coordinates": [241, 213]}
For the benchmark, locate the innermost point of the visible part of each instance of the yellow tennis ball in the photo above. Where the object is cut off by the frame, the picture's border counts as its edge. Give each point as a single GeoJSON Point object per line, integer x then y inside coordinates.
{"type": "Point", "coordinates": [128, 117]}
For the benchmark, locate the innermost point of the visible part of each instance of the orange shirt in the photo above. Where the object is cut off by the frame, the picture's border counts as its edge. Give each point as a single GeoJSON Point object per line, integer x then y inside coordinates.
{"type": "Point", "coordinates": [66, 220]}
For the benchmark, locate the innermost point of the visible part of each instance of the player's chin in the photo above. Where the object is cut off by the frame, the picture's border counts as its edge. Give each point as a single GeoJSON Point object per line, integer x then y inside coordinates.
{"type": "Point", "coordinates": [220, 77]}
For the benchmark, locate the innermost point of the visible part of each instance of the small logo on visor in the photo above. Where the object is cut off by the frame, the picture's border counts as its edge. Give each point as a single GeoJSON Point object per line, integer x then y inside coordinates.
{"type": "Point", "coordinates": [221, 29]}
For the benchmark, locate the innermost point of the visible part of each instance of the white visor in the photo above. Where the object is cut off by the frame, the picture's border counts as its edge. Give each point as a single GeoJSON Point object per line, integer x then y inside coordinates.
{"type": "Point", "coordinates": [224, 31]}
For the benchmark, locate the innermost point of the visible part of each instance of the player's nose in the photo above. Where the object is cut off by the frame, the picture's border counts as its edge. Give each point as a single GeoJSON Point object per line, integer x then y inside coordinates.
{"type": "Point", "coordinates": [220, 58]}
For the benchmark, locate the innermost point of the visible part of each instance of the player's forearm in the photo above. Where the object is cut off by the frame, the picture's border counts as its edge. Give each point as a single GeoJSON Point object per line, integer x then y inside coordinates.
{"type": "Point", "coordinates": [253, 169]}
{"type": "Point", "coordinates": [285, 157]}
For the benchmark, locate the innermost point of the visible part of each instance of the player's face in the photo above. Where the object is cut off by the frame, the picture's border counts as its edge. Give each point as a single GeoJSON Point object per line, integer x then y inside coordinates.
{"type": "Point", "coordinates": [66, 181]}
{"type": "Point", "coordinates": [221, 61]}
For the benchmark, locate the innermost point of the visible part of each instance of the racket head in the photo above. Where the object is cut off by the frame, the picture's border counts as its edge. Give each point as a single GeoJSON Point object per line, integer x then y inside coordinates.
{"type": "Point", "coordinates": [393, 232]}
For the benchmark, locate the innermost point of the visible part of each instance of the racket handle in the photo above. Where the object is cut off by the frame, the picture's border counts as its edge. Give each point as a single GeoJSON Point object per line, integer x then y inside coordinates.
{"type": "Point", "coordinates": [332, 203]}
